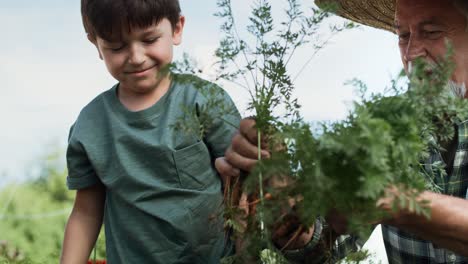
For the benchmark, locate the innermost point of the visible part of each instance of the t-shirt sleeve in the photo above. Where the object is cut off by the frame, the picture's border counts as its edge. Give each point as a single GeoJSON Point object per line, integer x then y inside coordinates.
{"type": "Point", "coordinates": [224, 121]}
{"type": "Point", "coordinates": [81, 173]}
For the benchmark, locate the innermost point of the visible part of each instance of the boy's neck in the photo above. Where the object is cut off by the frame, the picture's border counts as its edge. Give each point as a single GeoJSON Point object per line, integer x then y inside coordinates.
{"type": "Point", "coordinates": [140, 101]}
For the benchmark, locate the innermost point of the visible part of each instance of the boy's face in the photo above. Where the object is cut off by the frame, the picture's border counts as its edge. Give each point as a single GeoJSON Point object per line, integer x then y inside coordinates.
{"type": "Point", "coordinates": [136, 60]}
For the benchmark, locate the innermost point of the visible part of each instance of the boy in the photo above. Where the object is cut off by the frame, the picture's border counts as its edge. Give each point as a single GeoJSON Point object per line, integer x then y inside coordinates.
{"type": "Point", "coordinates": [155, 187]}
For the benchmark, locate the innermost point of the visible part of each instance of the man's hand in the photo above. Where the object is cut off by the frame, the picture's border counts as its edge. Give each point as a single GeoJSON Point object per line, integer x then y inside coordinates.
{"type": "Point", "coordinates": [290, 234]}
{"type": "Point", "coordinates": [337, 222]}
{"type": "Point", "coordinates": [447, 226]}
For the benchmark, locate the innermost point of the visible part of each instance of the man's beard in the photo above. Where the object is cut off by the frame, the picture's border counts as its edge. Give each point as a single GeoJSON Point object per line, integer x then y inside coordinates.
{"type": "Point", "coordinates": [456, 89]}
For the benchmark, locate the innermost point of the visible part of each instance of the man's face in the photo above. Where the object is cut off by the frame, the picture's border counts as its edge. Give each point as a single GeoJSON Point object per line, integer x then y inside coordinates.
{"type": "Point", "coordinates": [424, 27]}
{"type": "Point", "coordinates": [136, 59]}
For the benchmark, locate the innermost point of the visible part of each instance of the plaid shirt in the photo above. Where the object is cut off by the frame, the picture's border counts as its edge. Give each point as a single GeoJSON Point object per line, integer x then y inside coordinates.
{"type": "Point", "coordinates": [402, 247]}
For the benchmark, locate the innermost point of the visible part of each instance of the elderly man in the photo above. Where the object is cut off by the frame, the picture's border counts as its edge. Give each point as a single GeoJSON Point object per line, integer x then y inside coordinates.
{"type": "Point", "coordinates": [424, 27]}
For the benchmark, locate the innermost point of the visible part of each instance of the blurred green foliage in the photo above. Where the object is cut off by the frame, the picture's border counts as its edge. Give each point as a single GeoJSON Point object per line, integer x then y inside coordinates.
{"type": "Point", "coordinates": [33, 215]}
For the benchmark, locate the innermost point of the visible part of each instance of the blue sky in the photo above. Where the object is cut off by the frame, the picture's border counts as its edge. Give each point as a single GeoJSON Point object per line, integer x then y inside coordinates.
{"type": "Point", "coordinates": [49, 71]}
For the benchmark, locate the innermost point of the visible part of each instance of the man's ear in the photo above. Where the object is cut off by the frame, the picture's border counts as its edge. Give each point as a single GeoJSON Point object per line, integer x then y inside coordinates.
{"type": "Point", "coordinates": [94, 41]}
{"type": "Point", "coordinates": [178, 29]}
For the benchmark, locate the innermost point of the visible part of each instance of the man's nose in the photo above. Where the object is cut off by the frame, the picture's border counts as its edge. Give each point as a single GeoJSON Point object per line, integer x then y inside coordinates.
{"type": "Point", "coordinates": [137, 55]}
{"type": "Point", "coordinates": [415, 49]}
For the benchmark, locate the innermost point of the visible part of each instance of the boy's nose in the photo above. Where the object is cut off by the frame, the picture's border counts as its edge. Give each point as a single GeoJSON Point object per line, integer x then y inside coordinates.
{"type": "Point", "coordinates": [137, 55]}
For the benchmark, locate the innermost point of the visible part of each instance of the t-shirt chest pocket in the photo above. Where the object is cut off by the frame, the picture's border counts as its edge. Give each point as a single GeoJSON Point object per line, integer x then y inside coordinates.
{"type": "Point", "coordinates": [193, 166]}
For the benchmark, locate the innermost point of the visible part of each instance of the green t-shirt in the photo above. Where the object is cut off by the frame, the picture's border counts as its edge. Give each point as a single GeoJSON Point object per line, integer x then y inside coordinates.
{"type": "Point", "coordinates": [163, 195]}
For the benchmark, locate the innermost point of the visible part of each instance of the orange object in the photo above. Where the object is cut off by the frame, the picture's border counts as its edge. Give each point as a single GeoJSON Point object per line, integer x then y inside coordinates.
{"type": "Point", "coordinates": [101, 261]}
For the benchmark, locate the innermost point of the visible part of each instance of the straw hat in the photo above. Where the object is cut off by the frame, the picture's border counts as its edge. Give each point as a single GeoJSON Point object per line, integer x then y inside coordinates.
{"type": "Point", "coordinates": [374, 13]}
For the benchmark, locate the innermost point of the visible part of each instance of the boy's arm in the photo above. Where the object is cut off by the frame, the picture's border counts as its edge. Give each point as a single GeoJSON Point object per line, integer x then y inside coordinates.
{"type": "Point", "coordinates": [83, 225]}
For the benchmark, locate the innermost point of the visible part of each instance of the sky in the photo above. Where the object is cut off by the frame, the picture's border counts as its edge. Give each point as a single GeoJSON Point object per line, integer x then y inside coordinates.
{"type": "Point", "coordinates": [49, 71]}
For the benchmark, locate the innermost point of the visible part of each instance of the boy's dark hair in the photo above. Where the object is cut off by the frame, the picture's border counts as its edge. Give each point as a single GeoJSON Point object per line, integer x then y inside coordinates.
{"type": "Point", "coordinates": [107, 18]}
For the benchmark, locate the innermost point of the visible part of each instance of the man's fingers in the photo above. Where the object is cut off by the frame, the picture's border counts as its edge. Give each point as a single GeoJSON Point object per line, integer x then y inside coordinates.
{"type": "Point", "coordinates": [337, 221]}
{"type": "Point", "coordinates": [290, 234]}
{"type": "Point", "coordinates": [288, 224]}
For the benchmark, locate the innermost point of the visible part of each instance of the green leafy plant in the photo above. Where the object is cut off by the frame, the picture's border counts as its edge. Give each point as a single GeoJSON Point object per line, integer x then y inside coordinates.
{"type": "Point", "coordinates": [261, 67]}
{"type": "Point", "coordinates": [33, 215]}
{"type": "Point", "coordinates": [346, 166]}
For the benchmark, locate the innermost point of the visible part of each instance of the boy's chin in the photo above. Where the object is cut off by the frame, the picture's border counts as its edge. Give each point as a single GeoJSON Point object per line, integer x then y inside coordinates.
{"type": "Point", "coordinates": [145, 86]}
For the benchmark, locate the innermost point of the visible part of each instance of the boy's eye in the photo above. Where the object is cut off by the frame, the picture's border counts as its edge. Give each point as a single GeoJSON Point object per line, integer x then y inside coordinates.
{"type": "Point", "coordinates": [151, 40]}
{"type": "Point", "coordinates": [116, 48]}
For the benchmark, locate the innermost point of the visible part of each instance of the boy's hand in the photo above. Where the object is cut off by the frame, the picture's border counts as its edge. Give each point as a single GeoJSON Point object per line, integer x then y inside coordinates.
{"type": "Point", "coordinates": [225, 169]}
{"type": "Point", "coordinates": [242, 155]}
{"type": "Point", "coordinates": [243, 152]}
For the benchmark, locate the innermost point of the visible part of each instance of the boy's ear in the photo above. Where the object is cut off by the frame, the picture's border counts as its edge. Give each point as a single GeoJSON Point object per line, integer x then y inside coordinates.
{"type": "Point", "coordinates": [94, 41]}
{"type": "Point", "coordinates": [179, 28]}
{"type": "Point", "coordinates": [99, 52]}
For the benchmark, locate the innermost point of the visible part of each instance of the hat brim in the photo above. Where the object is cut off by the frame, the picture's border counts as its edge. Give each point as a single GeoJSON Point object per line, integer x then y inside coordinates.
{"type": "Point", "coordinates": [374, 13]}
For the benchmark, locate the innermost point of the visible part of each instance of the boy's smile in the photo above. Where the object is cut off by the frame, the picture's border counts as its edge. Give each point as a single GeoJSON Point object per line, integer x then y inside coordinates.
{"type": "Point", "coordinates": [140, 73]}
{"type": "Point", "coordinates": [137, 59]}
